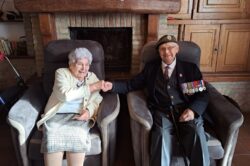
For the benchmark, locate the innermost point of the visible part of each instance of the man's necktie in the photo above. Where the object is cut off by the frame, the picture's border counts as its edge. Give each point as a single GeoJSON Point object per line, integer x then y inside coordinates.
{"type": "Point", "coordinates": [166, 73]}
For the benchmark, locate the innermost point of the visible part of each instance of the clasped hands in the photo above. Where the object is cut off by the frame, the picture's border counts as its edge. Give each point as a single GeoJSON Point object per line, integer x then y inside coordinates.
{"type": "Point", "coordinates": [101, 85]}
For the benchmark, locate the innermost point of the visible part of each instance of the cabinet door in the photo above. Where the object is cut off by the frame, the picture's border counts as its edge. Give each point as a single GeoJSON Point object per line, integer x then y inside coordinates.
{"type": "Point", "coordinates": [212, 6]}
{"type": "Point", "coordinates": [234, 50]}
{"type": "Point", "coordinates": [206, 36]}
{"type": "Point", "coordinates": [220, 9]}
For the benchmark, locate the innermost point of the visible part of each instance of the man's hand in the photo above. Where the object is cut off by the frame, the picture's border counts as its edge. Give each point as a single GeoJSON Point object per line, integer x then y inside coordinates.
{"type": "Point", "coordinates": [187, 115]}
{"type": "Point", "coordinates": [107, 86]}
{"type": "Point", "coordinates": [84, 116]}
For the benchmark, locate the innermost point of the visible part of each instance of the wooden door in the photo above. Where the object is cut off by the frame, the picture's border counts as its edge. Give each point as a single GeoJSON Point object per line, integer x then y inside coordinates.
{"type": "Point", "coordinates": [207, 37]}
{"type": "Point", "coordinates": [220, 9]}
{"type": "Point", "coordinates": [234, 48]}
{"type": "Point", "coordinates": [228, 6]}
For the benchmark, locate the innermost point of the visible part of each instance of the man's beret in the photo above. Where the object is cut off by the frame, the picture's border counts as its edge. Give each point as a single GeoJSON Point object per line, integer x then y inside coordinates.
{"type": "Point", "coordinates": [165, 39]}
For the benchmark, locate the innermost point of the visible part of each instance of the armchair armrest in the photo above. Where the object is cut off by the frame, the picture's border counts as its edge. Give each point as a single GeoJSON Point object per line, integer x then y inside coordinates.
{"type": "Point", "coordinates": [227, 120]}
{"type": "Point", "coordinates": [106, 121]}
{"type": "Point", "coordinates": [22, 118]}
{"type": "Point", "coordinates": [25, 111]}
{"type": "Point", "coordinates": [108, 110]}
{"type": "Point", "coordinates": [141, 122]}
{"type": "Point", "coordinates": [138, 109]}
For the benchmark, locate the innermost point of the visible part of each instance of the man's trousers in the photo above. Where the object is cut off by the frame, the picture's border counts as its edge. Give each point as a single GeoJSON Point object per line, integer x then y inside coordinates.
{"type": "Point", "coordinates": [185, 139]}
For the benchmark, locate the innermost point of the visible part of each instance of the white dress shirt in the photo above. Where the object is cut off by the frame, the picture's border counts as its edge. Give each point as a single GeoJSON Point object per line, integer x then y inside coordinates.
{"type": "Point", "coordinates": [170, 67]}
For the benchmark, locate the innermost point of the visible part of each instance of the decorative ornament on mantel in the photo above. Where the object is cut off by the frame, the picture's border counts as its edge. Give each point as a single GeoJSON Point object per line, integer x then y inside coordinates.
{"type": "Point", "coordinates": [8, 12]}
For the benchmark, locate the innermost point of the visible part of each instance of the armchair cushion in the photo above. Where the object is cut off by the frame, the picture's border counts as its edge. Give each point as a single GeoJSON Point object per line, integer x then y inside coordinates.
{"type": "Point", "coordinates": [215, 148]}
{"type": "Point", "coordinates": [56, 56]}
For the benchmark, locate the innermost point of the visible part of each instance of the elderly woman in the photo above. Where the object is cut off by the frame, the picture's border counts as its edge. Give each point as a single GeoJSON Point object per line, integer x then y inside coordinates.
{"type": "Point", "coordinates": [70, 111]}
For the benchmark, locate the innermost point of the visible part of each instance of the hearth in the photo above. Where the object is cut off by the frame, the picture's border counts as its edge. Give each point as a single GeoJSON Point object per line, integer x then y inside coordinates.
{"type": "Point", "coordinates": [116, 42]}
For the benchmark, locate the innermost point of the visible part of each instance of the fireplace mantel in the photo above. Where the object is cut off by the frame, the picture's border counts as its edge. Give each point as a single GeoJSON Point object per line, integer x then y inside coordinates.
{"type": "Point", "coordinates": [94, 6]}
{"type": "Point", "coordinates": [46, 10]}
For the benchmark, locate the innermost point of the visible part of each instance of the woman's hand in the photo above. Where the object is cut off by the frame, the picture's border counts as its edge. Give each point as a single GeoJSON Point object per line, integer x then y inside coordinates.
{"type": "Point", "coordinates": [107, 86]}
{"type": "Point", "coordinates": [96, 86]}
{"type": "Point", "coordinates": [84, 116]}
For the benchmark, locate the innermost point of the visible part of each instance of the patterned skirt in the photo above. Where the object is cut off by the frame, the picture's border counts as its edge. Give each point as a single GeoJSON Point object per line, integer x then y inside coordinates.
{"type": "Point", "coordinates": [62, 133]}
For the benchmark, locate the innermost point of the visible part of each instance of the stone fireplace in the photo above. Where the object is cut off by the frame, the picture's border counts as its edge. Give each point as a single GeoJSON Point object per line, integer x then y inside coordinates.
{"type": "Point", "coordinates": [121, 35]}
{"type": "Point", "coordinates": [52, 20]}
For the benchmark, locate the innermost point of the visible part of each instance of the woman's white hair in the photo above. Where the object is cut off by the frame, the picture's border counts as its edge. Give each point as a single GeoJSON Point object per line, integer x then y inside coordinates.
{"type": "Point", "coordinates": [80, 53]}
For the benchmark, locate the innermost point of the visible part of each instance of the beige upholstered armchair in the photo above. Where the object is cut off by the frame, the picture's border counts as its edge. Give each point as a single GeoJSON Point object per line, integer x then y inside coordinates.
{"type": "Point", "coordinates": [24, 114]}
{"type": "Point", "coordinates": [221, 131]}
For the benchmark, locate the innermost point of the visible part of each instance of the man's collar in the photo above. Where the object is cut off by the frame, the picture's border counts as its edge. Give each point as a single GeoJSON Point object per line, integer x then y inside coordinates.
{"type": "Point", "coordinates": [172, 65]}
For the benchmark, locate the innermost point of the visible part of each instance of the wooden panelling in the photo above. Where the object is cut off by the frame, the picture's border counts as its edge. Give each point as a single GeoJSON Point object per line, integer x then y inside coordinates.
{"type": "Point", "coordinates": [185, 11]}
{"type": "Point", "coordinates": [209, 22]}
{"type": "Point", "coordinates": [47, 27]}
{"type": "Point", "coordinates": [152, 27]}
{"type": "Point", "coordinates": [94, 6]}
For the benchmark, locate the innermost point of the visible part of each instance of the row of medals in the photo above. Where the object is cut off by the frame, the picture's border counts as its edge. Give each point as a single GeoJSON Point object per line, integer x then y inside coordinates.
{"type": "Point", "coordinates": [193, 87]}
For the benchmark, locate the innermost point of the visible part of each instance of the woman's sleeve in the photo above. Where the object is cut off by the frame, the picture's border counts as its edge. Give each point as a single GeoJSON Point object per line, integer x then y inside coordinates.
{"type": "Point", "coordinates": [94, 100]}
{"type": "Point", "coordinates": [65, 91]}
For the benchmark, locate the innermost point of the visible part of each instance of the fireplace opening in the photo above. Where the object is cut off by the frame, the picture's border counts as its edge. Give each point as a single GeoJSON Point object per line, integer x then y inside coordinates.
{"type": "Point", "coordinates": [116, 42]}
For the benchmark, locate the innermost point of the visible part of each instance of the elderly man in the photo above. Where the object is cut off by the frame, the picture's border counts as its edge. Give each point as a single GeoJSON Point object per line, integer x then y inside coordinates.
{"type": "Point", "coordinates": [177, 98]}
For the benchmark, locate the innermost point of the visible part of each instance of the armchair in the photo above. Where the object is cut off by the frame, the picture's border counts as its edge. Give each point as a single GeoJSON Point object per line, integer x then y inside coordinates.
{"type": "Point", "coordinates": [221, 131]}
{"type": "Point", "coordinates": [26, 111]}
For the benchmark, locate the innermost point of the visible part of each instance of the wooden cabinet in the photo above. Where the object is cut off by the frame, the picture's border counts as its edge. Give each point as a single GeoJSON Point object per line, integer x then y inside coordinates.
{"type": "Point", "coordinates": [224, 47]}
{"type": "Point", "coordinates": [220, 9]}
{"type": "Point", "coordinates": [207, 37]}
{"type": "Point", "coordinates": [234, 48]}
{"type": "Point", "coordinates": [227, 6]}
{"type": "Point", "coordinates": [222, 30]}
{"type": "Point", "coordinates": [213, 9]}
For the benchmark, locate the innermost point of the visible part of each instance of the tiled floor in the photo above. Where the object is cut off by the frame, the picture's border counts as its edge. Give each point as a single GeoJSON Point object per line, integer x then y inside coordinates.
{"type": "Point", "coordinates": [124, 151]}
